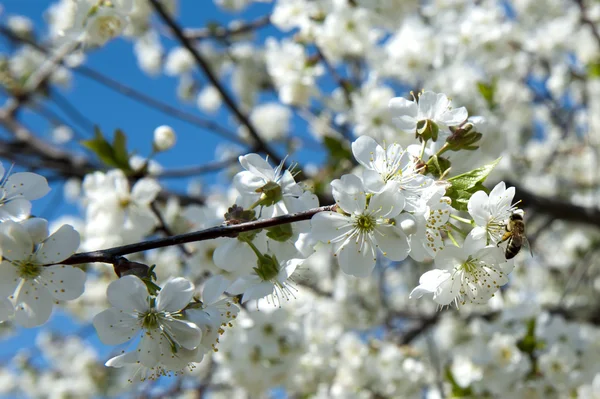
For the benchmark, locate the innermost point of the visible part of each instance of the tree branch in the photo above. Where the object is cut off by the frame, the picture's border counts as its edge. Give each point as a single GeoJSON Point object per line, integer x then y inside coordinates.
{"type": "Point", "coordinates": [203, 65]}
{"type": "Point", "coordinates": [114, 255]}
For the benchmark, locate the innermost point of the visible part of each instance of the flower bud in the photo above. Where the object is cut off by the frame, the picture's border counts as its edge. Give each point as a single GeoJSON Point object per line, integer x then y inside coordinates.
{"type": "Point", "coordinates": [164, 138]}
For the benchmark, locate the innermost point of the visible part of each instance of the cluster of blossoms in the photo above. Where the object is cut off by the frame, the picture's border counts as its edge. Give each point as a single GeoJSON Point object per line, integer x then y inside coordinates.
{"type": "Point", "coordinates": [404, 217]}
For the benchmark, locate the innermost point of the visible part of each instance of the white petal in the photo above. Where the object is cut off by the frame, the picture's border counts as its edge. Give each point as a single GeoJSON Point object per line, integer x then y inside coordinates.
{"type": "Point", "coordinates": [122, 360]}
{"type": "Point", "coordinates": [429, 283]}
{"type": "Point", "coordinates": [64, 283]}
{"type": "Point", "coordinates": [472, 245]}
{"type": "Point", "coordinates": [349, 194]}
{"type": "Point", "coordinates": [145, 190]}
{"type": "Point", "coordinates": [149, 350]}
{"type": "Point", "coordinates": [7, 309]}
{"type": "Point", "coordinates": [357, 260]}
{"type": "Point", "coordinates": [37, 229]}
{"type": "Point", "coordinates": [257, 165]}
{"type": "Point", "coordinates": [373, 181]}
{"type": "Point", "coordinates": [29, 185]}
{"type": "Point", "coordinates": [16, 209]}
{"type": "Point", "coordinates": [387, 203]}
{"type": "Point", "coordinates": [242, 284]}
{"type": "Point", "coordinates": [115, 327]}
{"type": "Point", "coordinates": [450, 257]}
{"type": "Point", "coordinates": [448, 289]}
{"type": "Point", "coordinates": [258, 291]}
{"type": "Point", "coordinates": [400, 106]}
{"type": "Point", "coordinates": [247, 183]}
{"type": "Point", "coordinates": [406, 123]}
{"type": "Point", "coordinates": [364, 149]}
{"type": "Point", "coordinates": [234, 255]}
{"type": "Point", "coordinates": [128, 293]}
{"type": "Point", "coordinates": [432, 104]}
{"type": "Point", "coordinates": [214, 288]}
{"type": "Point", "coordinates": [9, 278]}
{"type": "Point", "coordinates": [392, 242]}
{"type": "Point", "coordinates": [478, 208]}
{"type": "Point", "coordinates": [15, 242]}
{"type": "Point", "coordinates": [288, 269]}
{"type": "Point", "coordinates": [185, 333]}
{"type": "Point", "coordinates": [175, 295]}
{"type": "Point", "coordinates": [59, 246]}
{"type": "Point", "coordinates": [328, 226]}
{"type": "Point", "coordinates": [33, 304]}
{"type": "Point", "coordinates": [454, 117]}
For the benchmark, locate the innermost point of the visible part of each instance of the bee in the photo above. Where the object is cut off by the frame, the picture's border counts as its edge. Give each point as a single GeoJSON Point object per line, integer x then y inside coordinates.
{"type": "Point", "coordinates": [515, 234]}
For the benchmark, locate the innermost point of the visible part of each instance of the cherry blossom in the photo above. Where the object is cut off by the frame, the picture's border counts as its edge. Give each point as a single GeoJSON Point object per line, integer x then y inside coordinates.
{"type": "Point", "coordinates": [31, 275]}
{"type": "Point", "coordinates": [168, 343]}
{"type": "Point", "coordinates": [471, 273]}
{"type": "Point", "coordinates": [16, 192]}
{"type": "Point", "coordinates": [364, 227]}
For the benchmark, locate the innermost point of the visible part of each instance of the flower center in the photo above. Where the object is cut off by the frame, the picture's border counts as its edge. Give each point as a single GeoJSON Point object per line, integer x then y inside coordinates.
{"type": "Point", "coordinates": [28, 270]}
{"type": "Point", "coordinates": [365, 223]}
{"type": "Point", "coordinates": [150, 320]}
{"type": "Point", "coordinates": [109, 26]}
{"type": "Point", "coordinates": [271, 194]}
{"type": "Point", "coordinates": [470, 266]}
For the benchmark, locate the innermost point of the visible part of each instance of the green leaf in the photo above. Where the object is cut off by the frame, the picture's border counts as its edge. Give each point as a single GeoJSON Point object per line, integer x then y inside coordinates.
{"type": "Point", "coordinates": [593, 69]}
{"type": "Point", "coordinates": [462, 187]}
{"type": "Point", "coordinates": [99, 146]}
{"type": "Point", "coordinates": [488, 90]}
{"type": "Point", "coordinates": [115, 154]}
{"type": "Point", "coordinates": [338, 149]}
{"type": "Point", "coordinates": [121, 156]}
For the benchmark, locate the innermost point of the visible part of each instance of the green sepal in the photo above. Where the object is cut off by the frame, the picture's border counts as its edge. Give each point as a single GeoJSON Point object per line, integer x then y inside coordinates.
{"type": "Point", "coordinates": [463, 186]}
{"type": "Point", "coordinates": [438, 165]}
{"type": "Point", "coordinates": [428, 130]}
{"type": "Point", "coordinates": [280, 233]}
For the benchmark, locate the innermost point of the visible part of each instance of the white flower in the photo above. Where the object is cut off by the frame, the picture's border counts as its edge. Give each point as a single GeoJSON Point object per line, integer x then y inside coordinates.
{"type": "Point", "coordinates": [213, 314]}
{"type": "Point", "coordinates": [178, 62]}
{"type": "Point", "coordinates": [31, 286]}
{"type": "Point", "coordinates": [261, 184]}
{"type": "Point", "coordinates": [98, 21]}
{"type": "Point", "coordinates": [164, 138]}
{"type": "Point", "coordinates": [16, 191]}
{"type": "Point", "coordinates": [491, 213]}
{"type": "Point", "coordinates": [112, 206]}
{"type": "Point", "coordinates": [471, 273]}
{"type": "Point", "coordinates": [272, 120]}
{"type": "Point", "coordinates": [167, 341]}
{"type": "Point", "coordinates": [270, 278]}
{"type": "Point", "coordinates": [293, 76]}
{"type": "Point", "coordinates": [428, 241]}
{"type": "Point", "coordinates": [391, 163]}
{"type": "Point", "coordinates": [366, 226]}
{"type": "Point", "coordinates": [433, 107]}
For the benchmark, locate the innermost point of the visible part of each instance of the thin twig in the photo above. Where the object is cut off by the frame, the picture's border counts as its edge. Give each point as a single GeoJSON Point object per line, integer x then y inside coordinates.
{"type": "Point", "coordinates": [137, 95]}
{"type": "Point", "coordinates": [112, 255]}
{"type": "Point", "coordinates": [220, 32]}
{"type": "Point", "coordinates": [203, 65]}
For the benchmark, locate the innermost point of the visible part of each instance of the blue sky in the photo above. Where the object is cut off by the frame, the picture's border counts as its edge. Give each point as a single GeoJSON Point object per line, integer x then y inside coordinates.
{"type": "Point", "coordinates": [110, 110]}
